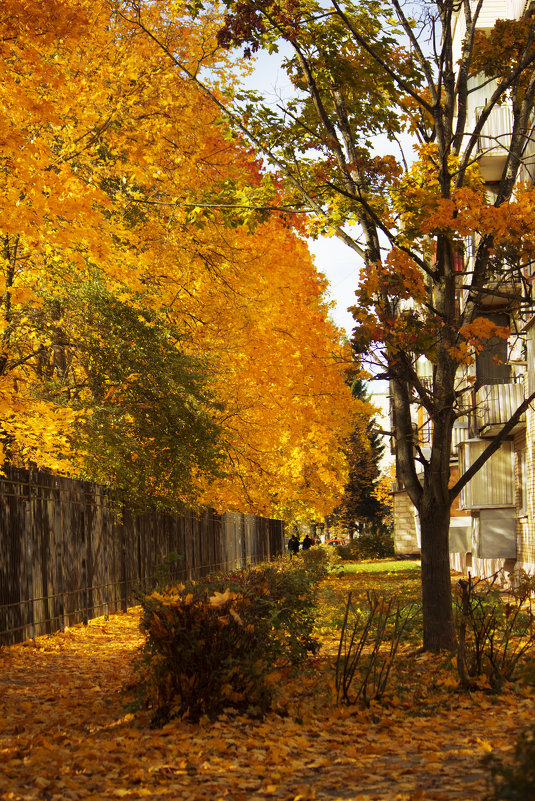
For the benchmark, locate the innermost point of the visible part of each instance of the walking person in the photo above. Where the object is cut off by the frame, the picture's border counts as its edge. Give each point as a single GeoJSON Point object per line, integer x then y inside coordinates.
{"type": "Point", "coordinates": [307, 543]}
{"type": "Point", "coordinates": [293, 545]}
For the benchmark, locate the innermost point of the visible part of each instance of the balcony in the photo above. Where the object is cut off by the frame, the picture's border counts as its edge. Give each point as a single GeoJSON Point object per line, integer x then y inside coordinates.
{"type": "Point", "coordinates": [494, 141]}
{"type": "Point", "coordinates": [493, 485]}
{"type": "Point", "coordinates": [495, 404]}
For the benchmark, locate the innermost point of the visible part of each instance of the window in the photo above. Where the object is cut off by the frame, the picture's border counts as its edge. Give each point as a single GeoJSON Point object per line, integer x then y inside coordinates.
{"type": "Point", "coordinates": [491, 362]}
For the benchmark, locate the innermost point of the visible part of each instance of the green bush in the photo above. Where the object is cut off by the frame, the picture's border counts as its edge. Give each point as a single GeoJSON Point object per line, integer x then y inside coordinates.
{"type": "Point", "coordinates": [285, 597]}
{"type": "Point", "coordinates": [319, 560]}
{"type": "Point", "coordinates": [166, 571]}
{"type": "Point", "coordinates": [283, 594]}
{"type": "Point", "coordinates": [515, 781]}
{"type": "Point", "coordinates": [377, 544]}
{"type": "Point", "coordinates": [215, 644]}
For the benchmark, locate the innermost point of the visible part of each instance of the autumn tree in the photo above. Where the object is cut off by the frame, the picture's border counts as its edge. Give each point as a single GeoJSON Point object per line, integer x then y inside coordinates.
{"type": "Point", "coordinates": [32, 192]}
{"type": "Point", "coordinates": [143, 324]}
{"type": "Point", "coordinates": [387, 68]}
{"type": "Point", "coordinates": [361, 508]}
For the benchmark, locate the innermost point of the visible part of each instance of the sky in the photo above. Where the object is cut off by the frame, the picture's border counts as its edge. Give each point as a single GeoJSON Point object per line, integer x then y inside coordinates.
{"type": "Point", "coordinates": [341, 266]}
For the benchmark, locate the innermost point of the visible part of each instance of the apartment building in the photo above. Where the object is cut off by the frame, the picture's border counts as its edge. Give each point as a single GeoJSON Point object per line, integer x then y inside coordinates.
{"type": "Point", "coordinates": [493, 520]}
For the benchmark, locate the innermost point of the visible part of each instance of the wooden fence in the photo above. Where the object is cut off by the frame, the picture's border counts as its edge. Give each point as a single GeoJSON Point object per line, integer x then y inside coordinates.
{"type": "Point", "coordinates": [66, 556]}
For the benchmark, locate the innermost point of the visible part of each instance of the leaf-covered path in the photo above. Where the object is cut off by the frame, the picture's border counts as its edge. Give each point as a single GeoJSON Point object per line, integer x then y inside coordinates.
{"type": "Point", "coordinates": [64, 734]}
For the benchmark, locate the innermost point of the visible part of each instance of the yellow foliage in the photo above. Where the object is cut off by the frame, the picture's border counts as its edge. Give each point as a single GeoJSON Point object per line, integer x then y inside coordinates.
{"type": "Point", "coordinates": [106, 148]}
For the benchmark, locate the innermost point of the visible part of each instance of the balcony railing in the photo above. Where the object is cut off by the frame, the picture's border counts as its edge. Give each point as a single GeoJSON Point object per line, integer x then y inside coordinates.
{"type": "Point", "coordinates": [495, 405]}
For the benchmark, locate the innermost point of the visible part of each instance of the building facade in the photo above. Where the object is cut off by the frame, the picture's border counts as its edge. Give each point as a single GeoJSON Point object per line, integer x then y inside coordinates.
{"type": "Point", "coordinates": [493, 520]}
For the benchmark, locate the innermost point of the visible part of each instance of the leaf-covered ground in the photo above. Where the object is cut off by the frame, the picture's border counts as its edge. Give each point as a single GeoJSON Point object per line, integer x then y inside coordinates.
{"type": "Point", "coordinates": [64, 733]}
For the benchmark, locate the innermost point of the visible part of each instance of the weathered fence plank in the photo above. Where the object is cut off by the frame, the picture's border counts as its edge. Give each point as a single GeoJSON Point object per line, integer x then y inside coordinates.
{"type": "Point", "coordinates": [68, 553]}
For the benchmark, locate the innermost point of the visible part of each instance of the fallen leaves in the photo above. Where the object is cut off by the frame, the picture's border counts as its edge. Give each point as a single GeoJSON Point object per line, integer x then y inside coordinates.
{"type": "Point", "coordinates": [64, 733]}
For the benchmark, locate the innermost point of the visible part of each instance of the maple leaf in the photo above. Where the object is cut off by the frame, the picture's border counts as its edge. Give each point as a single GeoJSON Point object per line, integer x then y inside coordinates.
{"type": "Point", "coordinates": [221, 598]}
{"type": "Point", "coordinates": [235, 616]}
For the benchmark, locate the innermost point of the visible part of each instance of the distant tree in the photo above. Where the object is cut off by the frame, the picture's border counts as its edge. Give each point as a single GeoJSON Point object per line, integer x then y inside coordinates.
{"type": "Point", "coordinates": [361, 507]}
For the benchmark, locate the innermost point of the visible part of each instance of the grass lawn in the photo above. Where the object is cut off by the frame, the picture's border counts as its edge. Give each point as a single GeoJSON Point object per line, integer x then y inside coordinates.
{"type": "Point", "coordinates": [390, 578]}
{"type": "Point", "coordinates": [378, 566]}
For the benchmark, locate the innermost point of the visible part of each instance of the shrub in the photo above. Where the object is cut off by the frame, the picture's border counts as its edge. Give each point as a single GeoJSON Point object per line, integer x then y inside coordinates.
{"type": "Point", "coordinates": [283, 594]}
{"type": "Point", "coordinates": [376, 544]}
{"type": "Point", "coordinates": [203, 652]}
{"type": "Point", "coordinates": [494, 632]}
{"type": "Point", "coordinates": [368, 646]}
{"type": "Point", "coordinates": [515, 781]}
{"type": "Point", "coordinates": [319, 560]}
{"type": "Point", "coordinates": [167, 571]}
{"type": "Point", "coordinates": [214, 644]}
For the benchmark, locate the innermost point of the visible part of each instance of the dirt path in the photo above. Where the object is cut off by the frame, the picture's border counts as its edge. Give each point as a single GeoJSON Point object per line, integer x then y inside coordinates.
{"type": "Point", "coordinates": [64, 734]}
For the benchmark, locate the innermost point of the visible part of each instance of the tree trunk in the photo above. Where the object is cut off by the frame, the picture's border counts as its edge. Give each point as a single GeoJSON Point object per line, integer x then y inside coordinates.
{"type": "Point", "coordinates": [438, 631]}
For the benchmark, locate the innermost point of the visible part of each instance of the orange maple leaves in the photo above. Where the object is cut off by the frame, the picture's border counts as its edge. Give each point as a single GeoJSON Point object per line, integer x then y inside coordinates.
{"type": "Point", "coordinates": [424, 220]}
{"type": "Point", "coordinates": [106, 150]}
